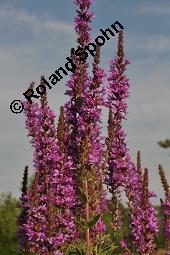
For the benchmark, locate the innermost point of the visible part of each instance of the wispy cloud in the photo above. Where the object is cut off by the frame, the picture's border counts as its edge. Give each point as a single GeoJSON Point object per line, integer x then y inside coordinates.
{"type": "Point", "coordinates": [36, 23]}
{"type": "Point", "coordinates": [155, 9]}
{"type": "Point", "coordinates": [159, 44]}
{"type": "Point", "coordinates": [153, 43]}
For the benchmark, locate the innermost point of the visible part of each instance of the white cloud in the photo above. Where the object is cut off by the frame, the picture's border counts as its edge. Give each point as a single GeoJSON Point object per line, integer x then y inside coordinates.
{"type": "Point", "coordinates": [155, 9]}
{"type": "Point", "coordinates": [38, 24]}
{"type": "Point", "coordinates": [158, 44]}
{"type": "Point", "coordinates": [152, 43]}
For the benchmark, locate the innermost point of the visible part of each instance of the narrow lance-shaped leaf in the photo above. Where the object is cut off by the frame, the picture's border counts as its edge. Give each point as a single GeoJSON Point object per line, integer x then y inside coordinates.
{"type": "Point", "coordinates": [93, 222]}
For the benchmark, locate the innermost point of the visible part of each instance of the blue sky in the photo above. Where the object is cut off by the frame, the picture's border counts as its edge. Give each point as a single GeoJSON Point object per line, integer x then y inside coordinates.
{"type": "Point", "coordinates": [36, 37]}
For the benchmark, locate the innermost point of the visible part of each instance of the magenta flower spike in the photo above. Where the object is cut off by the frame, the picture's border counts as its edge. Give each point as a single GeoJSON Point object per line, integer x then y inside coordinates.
{"type": "Point", "coordinates": [121, 172]}
{"type": "Point", "coordinates": [23, 216]}
{"type": "Point", "coordinates": [50, 222]}
{"type": "Point", "coordinates": [165, 210]}
{"type": "Point", "coordinates": [166, 223]}
{"type": "Point", "coordinates": [121, 169]}
{"type": "Point", "coordinates": [144, 224]}
{"type": "Point", "coordinates": [37, 222]}
{"type": "Point", "coordinates": [83, 115]}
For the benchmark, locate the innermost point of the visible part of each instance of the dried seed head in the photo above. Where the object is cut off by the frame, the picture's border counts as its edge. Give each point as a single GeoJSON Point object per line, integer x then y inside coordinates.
{"type": "Point", "coordinates": [95, 83]}
{"type": "Point", "coordinates": [145, 190]}
{"type": "Point", "coordinates": [164, 181]}
{"type": "Point", "coordinates": [139, 167]}
{"type": "Point", "coordinates": [43, 98]}
{"type": "Point", "coordinates": [120, 52]}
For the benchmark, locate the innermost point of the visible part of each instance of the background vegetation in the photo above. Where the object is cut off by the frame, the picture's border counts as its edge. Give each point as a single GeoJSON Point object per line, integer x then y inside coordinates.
{"type": "Point", "coordinates": [9, 212]}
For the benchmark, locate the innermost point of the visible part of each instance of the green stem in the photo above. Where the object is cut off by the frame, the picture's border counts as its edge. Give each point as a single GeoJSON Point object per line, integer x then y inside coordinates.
{"type": "Point", "coordinates": [87, 218]}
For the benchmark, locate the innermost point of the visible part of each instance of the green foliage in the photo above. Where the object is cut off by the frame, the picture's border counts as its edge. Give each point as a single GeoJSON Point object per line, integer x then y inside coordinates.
{"type": "Point", "coordinates": [8, 239]}
{"type": "Point", "coordinates": [74, 249]}
{"type": "Point", "coordinates": [93, 222]}
{"type": "Point", "coordinates": [160, 238]}
{"type": "Point", "coordinates": [82, 196]}
{"type": "Point", "coordinates": [106, 246]}
{"type": "Point", "coordinates": [119, 233]}
{"type": "Point", "coordinates": [8, 214]}
{"type": "Point", "coordinates": [164, 144]}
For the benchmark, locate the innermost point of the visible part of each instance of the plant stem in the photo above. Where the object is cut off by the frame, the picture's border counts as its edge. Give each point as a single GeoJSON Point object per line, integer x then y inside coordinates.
{"type": "Point", "coordinates": [168, 244]}
{"type": "Point", "coordinates": [87, 218]}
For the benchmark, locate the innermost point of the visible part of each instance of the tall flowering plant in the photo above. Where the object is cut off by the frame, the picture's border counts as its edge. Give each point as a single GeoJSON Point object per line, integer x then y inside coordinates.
{"type": "Point", "coordinates": [121, 171]}
{"type": "Point", "coordinates": [23, 216]}
{"type": "Point", "coordinates": [144, 226]}
{"type": "Point", "coordinates": [117, 153]}
{"type": "Point", "coordinates": [72, 162]}
{"type": "Point", "coordinates": [50, 222]}
{"type": "Point", "coordinates": [165, 210]}
{"type": "Point", "coordinates": [83, 115]}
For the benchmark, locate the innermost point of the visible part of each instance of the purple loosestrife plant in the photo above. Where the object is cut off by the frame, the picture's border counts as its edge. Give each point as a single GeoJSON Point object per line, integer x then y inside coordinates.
{"type": "Point", "coordinates": [82, 21]}
{"type": "Point", "coordinates": [113, 188]}
{"type": "Point", "coordinates": [121, 172]}
{"type": "Point", "coordinates": [94, 101]}
{"type": "Point", "coordinates": [77, 85]}
{"type": "Point", "coordinates": [165, 210]}
{"type": "Point", "coordinates": [37, 220]}
{"type": "Point", "coordinates": [166, 224]}
{"type": "Point", "coordinates": [50, 223]}
{"type": "Point", "coordinates": [36, 224]}
{"type": "Point", "coordinates": [23, 216]}
{"type": "Point", "coordinates": [83, 114]}
{"type": "Point", "coordinates": [62, 183]}
{"type": "Point", "coordinates": [143, 220]}
{"type": "Point", "coordinates": [79, 80]}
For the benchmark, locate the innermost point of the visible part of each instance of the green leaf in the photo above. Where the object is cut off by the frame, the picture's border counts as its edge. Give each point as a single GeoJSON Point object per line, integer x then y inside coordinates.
{"type": "Point", "coordinates": [82, 196]}
{"type": "Point", "coordinates": [165, 144]}
{"type": "Point", "coordinates": [106, 247]}
{"type": "Point", "coordinates": [73, 250]}
{"type": "Point", "coordinates": [94, 221]}
{"type": "Point", "coordinates": [81, 223]}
